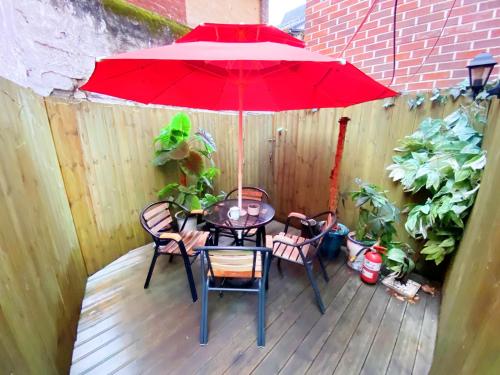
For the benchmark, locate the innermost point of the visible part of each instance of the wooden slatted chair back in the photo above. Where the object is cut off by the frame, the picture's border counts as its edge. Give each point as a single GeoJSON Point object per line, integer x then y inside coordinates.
{"type": "Point", "coordinates": [156, 218]}
{"type": "Point", "coordinates": [250, 193]}
{"type": "Point", "coordinates": [235, 262]}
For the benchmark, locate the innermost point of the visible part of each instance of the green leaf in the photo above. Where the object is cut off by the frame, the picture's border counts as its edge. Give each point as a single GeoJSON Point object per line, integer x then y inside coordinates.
{"type": "Point", "coordinates": [477, 162]}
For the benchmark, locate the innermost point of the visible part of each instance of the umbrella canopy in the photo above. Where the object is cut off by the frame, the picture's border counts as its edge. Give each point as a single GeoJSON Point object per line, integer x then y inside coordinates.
{"type": "Point", "coordinates": [235, 67]}
{"type": "Point", "coordinates": [214, 32]}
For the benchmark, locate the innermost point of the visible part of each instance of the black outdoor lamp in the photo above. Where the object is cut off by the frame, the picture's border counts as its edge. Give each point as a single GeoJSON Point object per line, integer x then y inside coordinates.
{"type": "Point", "coordinates": [480, 69]}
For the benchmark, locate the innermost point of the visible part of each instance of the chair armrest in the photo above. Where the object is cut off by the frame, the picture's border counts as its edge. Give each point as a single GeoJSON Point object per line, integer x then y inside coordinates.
{"type": "Point", "coordinates": [171, 236]}
{"type": "Point", "coordinates": [284, 240]}
{"type": "Point", "coordinates": [197, 212]}
{"type": "Point", "coordinates": [297, 215]}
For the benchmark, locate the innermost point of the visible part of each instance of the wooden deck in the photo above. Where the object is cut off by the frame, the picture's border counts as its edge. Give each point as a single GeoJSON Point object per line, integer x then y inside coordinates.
{"type": "Point", "coordinates": [125, 329]}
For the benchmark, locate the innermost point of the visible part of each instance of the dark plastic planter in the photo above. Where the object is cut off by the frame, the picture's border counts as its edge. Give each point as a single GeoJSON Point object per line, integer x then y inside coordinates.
{"type": "Point", "coordinates": [330, 248]}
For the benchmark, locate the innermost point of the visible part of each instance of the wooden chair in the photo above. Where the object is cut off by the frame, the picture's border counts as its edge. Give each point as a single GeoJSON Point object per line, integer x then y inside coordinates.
{"type": "Point", "coordinates": [234, 262]}
{"type": "Point", "coordinates": [169, 239]}
{"type": "Point", "coordinates": [250, 193]}
{"type": "Point", "coordinates": [302, 251]}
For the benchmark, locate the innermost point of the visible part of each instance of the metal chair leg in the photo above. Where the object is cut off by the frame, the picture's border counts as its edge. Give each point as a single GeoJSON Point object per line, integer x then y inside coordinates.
{"type": "Point", "coordinates": [261, 339]}
{"type": "Point", "coordinates": [323, 268]}
{"type": "Point", "coordinates": [189, 273]}
{"type": "Point", "coordinates": [278, 265]}
{"type": "Point", "coordinates": [151, 268]}
{"type": "Point", "coordinates": [268, 269]}
{"type": "Point", "coordinates": [319, 301]}
{"type": "Point", "coordinates": [204, 314]}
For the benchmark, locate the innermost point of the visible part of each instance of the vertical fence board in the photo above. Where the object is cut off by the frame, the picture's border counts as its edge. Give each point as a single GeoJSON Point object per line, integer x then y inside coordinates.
{"type": "Point", "coordinates": [42, 270]}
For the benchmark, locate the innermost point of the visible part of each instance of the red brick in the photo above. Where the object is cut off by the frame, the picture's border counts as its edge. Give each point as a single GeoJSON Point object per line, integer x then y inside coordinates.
{"type": "Point", "coordinates": [456, 47]}
{"type": "Point", "coordinates": [420, 11]}
{"type": "Point", "coordinates": [409, 62]}
{"type": "Point", "coordinates": [436, 76]}
{"type": "Point", "coordinates": [383, 67]}
{"type": "Point", "coordinates": [484, 5]}
{"type": "Point", "coordinates": [384, 52]}
{"type": "Point", "coordinates": [490, 24]}
{"type": "Point", "coordinates": [422, 85]}
{"type": "Point", "coordinates": [376, 46]}
{"type": "Point", "coordinates": [364, 42]}
{"type": "Point", "coordinates": [464, 10]}
{"type": "Point", "coordinates": [412, 30]}
{"type": "Point", "coordinates": [466, 55]}
{"type": "Point", "coordinates": [431, 17]}
{"type": "Point", "coordinates": [319, 20]}
{"type": "Point", "coordinates": [440, 57]}
{"type": "Point", "coordinates": [408, 5]}
{"type": "Point", "coordinates": [478, 35]}
{"type": "Point", "coordinates": [487, 43]}
{"type": "Point", "coordinates": [478, 16]}
{"type": "Point", "coordinates": [411, 46]}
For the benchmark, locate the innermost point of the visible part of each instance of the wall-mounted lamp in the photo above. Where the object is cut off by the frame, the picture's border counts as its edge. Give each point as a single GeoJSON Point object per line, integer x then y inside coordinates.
{"type": "Point", "coordinates": [480, 69]}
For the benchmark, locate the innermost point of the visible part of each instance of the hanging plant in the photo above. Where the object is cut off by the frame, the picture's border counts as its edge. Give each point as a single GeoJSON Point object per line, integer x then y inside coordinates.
{"type": "Point", "coordinates": [415, 102]}
{"type": "Point", "coordinates": [389, 102]}
{"type": "Point", "coordinates": [444, 159]}
{"type": "Point", "coordinates": [437, 97]}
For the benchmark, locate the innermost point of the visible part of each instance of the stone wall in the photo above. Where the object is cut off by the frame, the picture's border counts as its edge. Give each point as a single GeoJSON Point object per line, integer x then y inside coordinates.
{"type": "Point", "coordinates": [52, 45]}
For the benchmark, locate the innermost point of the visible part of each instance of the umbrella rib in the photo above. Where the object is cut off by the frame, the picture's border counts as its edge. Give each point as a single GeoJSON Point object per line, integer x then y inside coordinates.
{"type": "Point", "coordinates": [128, 71]}
{"type": "Point", "coordinates": [170, 86]}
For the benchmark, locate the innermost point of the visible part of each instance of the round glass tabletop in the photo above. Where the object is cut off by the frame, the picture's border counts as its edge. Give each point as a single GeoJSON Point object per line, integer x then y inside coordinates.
{"type": "Point", "coordinates": [217, 214]}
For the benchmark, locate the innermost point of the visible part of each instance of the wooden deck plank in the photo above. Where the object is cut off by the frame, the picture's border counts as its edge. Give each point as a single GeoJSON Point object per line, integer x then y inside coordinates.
{"type": "Point", "coordinates": [242, 334]}
{"type": "Point", "coordinates": [246, 361]}
{"type": "Point", "coordinates": [382, 346]}
{"type": "Point", "coordinates": [307, 350]}
{"type": "Point", "coordinates": [425, 349]}
{"type": "Point", "coordinates": [125, 329]}
{"type": "Point", "coordinates": [331, 352]}
{"type": "Point", "coordinates": [354, 355]}
{"type": "Point", "coordinates": [405, 350]}
{"type": "Point", "coordinates": [295, 334]}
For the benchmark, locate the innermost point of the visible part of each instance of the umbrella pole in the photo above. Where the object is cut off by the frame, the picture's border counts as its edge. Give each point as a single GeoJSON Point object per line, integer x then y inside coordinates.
{"type": "Point", "coordinates": [335, 173]}
{"type": "Point", "coordinates": [240, 147]}
{"type": "Point", "coordinates": [240, 159]}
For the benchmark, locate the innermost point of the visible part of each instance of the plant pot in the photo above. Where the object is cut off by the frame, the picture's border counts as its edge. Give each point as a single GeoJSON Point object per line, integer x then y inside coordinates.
{"type": "Point", "coordinates": [330, 247]}
{"type": "Point", "coordinates": [191, 222]}
{"type": "Point", "coordinates": [355, 256]}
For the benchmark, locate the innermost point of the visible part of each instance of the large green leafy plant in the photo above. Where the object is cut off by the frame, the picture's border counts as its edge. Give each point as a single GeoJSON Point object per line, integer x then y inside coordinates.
{"type": "Point", "coordinates": [443, 161]}
{"type": "Point", "coordinates": [193, 157]}
{"type": "Point", "coordinates": [377, 214]}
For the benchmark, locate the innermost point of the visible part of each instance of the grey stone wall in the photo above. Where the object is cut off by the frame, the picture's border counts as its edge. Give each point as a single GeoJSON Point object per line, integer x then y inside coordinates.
{"type": "Point", "coordinates": [51, 45]}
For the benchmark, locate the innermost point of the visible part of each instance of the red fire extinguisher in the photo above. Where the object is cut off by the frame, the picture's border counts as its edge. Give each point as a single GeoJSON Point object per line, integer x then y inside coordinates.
{"type": "Point", "coordinates": [371, 265]}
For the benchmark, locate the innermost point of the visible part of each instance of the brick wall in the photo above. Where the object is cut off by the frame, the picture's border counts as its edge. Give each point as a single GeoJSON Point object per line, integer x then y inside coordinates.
{"type": "Point", "coordinates": [473, 27]}
{"type": "Point", "coordinates": [172, 9]}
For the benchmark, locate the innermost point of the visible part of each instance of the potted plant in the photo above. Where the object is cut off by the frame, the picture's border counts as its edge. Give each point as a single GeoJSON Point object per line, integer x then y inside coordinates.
{"type": "Point", "coordinates": [190, 154]}
{"type": "Point", "coordinates": [377, 216]}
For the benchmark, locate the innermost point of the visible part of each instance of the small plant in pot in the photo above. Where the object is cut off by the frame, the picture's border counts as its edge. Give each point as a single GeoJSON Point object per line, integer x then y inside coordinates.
{"type": "Point", "coordinates": [190, 154]}
{"type": "Point", "coordinates": [377, 216]}
{"type": "Point", "coordinates": [399, 262]}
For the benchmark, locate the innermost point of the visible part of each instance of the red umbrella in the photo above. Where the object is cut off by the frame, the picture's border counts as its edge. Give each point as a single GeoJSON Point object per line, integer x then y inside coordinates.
{"type": "Point", "coordinates": [235, 67]}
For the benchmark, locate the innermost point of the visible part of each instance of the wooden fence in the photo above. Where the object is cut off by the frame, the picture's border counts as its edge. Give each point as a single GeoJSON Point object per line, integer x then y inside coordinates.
{"type": "Point", "coordinates": [41, 268]}
{"type": "Point", "coordinates": [73, 200]}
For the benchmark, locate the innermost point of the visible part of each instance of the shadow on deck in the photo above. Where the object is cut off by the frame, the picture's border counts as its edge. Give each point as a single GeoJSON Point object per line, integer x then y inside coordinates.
{"type": "Point", "coordinates": [125, 329]}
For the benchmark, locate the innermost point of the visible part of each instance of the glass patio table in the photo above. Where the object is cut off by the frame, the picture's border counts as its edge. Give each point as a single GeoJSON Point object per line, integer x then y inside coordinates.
{"type": "Point", "coordinates": [217, 216]}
